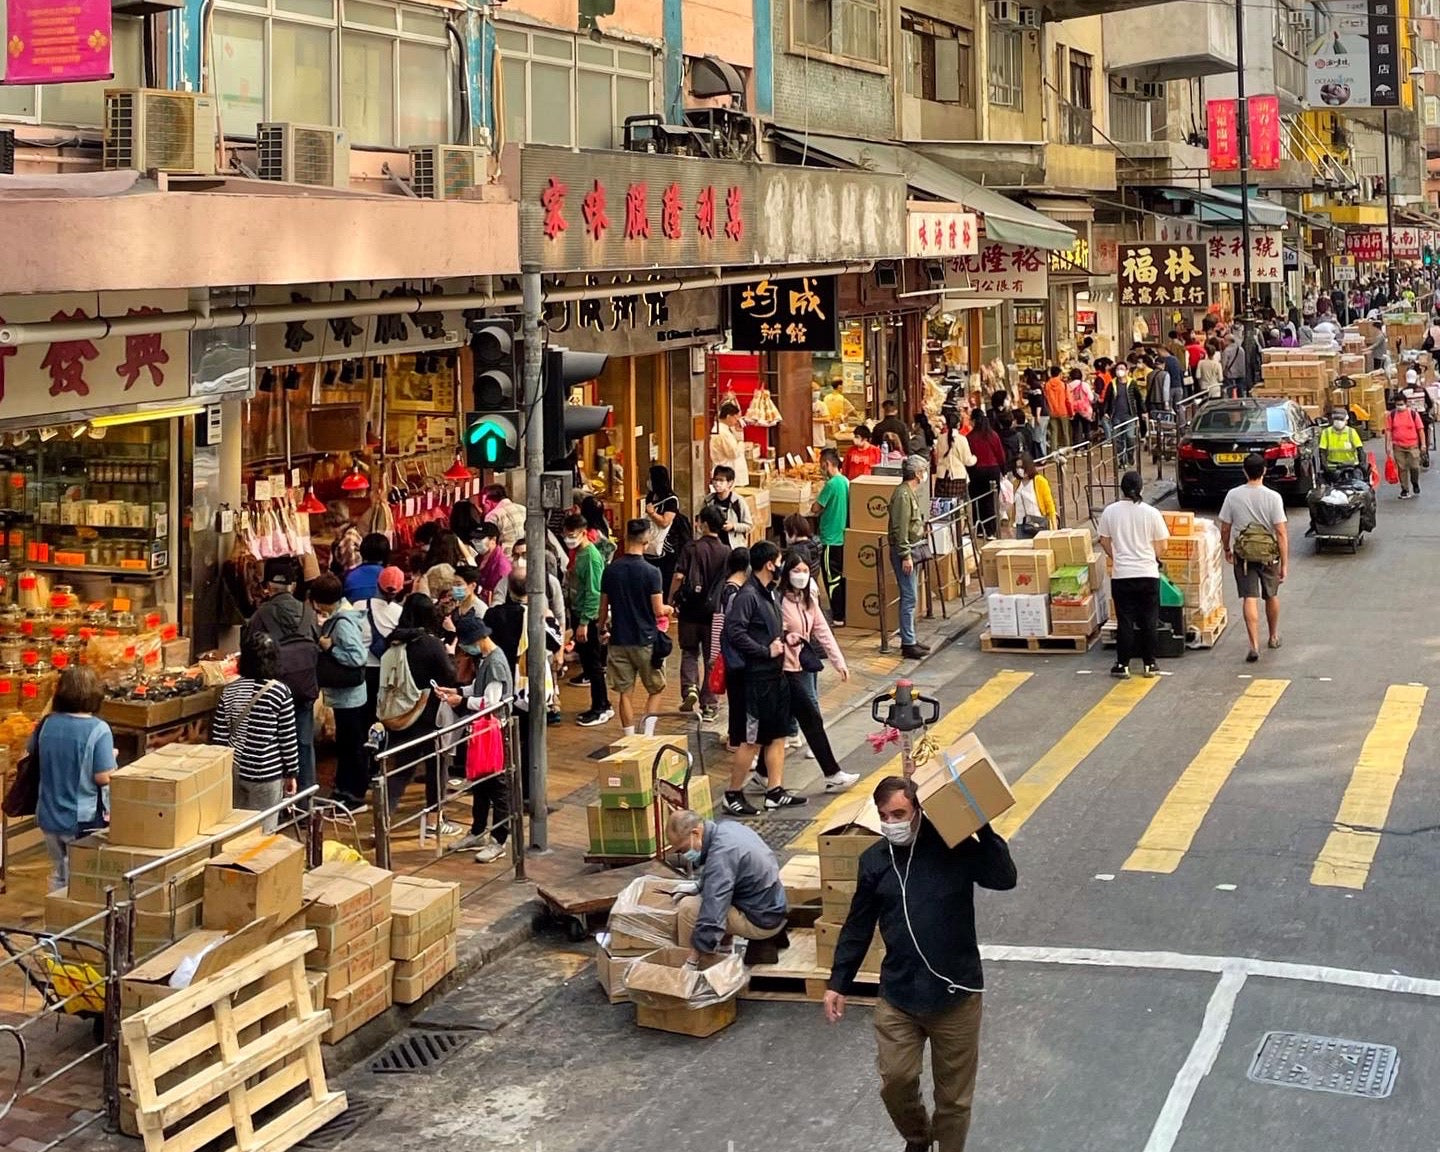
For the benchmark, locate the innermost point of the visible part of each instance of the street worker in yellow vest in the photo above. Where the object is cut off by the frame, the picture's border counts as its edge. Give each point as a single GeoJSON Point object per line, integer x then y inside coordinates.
{"type": "Point", "coordinates": [1340, 444]}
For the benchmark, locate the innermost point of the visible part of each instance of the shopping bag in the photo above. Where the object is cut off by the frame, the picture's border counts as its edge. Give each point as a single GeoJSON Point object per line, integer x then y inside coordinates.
{"type": "Point", "coordinates": [1392, 471]}
{"type": "Point", "coordinates": [485, 754]}
{"type": "Point", "coordinates": [716, 680]}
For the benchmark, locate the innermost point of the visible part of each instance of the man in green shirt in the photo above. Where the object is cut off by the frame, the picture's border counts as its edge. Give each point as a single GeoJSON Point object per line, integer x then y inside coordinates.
{"type": "Point", "coordinates": [582, 601]}
{"type": "Point", "coordinates": [832, 505]}
{"type": "Point", "coordinates": [908, 548]}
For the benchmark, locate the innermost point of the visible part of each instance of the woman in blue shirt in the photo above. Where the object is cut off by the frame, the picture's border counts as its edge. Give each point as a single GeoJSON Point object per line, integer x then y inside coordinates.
{"type": "Point", "coordinates": [76, 754]}
{"type": "Point", "coordinates": [342, 636]}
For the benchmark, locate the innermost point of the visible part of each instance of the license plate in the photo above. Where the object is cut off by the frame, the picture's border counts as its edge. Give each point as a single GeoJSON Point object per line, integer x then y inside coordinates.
{"type": "Point", "coordinates": [1229, 457]}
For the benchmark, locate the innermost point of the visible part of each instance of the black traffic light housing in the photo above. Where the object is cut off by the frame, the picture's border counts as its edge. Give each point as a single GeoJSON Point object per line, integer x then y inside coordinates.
{"type": "Point", "coordinates": [565, 422]}
{"type": "Point", "coordinates": [492, 428]}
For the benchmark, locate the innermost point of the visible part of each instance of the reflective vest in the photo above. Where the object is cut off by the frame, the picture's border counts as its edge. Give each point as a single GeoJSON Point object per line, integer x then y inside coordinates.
{"type": "Point", "coordinates": [1340, 445]}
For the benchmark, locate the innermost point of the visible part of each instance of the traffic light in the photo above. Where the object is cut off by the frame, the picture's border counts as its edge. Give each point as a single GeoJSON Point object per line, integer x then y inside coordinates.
{"type": "Point", "coordinates": [1429, 257]}
{"type": "Point", "coordinates": [566, 422]}
{"type": "Point", "coordinates": [492, 429]}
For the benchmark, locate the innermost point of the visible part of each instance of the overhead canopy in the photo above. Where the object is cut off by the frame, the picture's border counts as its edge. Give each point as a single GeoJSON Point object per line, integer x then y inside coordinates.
{"type": "Point", "coordinates": [1005, 220]}
{"type": "Point", "coordinates": [1220, 206]}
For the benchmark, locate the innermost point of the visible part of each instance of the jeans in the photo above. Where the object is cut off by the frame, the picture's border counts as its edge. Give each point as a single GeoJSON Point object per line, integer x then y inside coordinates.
{"type": "Point", "coordinates": [832, 570]}
{"type": "Point", "coordinates": [305, 738]}
{"type": "Point", "coordinates": [58, 845]}
{"type": "Point", "coordinates": [809, 683]}
{"type": "Point", "coordinates": [907, 583]}
{"type": "Point", "coordinates": [695, 660]}
{"type": "Point", "coordinates": [1042, 432]}
{"type": "Point", "coordinates": [1137, 618]}
{"type": "Point", "coordinates": [257, 795]}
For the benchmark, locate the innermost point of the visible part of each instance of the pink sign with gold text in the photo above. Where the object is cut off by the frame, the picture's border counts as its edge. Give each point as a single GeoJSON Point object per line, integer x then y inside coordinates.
{"type": "Point", "coordinates": [51, 41]}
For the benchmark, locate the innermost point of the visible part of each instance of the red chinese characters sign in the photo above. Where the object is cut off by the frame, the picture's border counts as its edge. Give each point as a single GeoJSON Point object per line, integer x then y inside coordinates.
{"type": "Point", "coordinates": [938, 230]}
{"type": "Point", "coordinates": [1263, 134]}
{"type": "Point", "coordinates": [1224, 135]}
{"type": "Point", "coordinates": [1366, 246]}
{"type": "Point", "coordinates": [86, 374]}
{"type": "Point", "coordinates": [49, 41]}
{"type": "Point", "coordinates": [1001, 270]}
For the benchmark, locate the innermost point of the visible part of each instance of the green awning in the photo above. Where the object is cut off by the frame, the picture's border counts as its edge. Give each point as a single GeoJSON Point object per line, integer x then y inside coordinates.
{"type": "Point", "coordinates": [1221, 206]}
{"type": "Point", "coordinates": [1005, 220]}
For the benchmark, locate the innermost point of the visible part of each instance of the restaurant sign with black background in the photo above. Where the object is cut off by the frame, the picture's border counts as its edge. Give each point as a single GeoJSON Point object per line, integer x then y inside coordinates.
{"type": "Point", "coordinates": [1153, 272]}
{"type": "Point", "coordinates": [784, 315]}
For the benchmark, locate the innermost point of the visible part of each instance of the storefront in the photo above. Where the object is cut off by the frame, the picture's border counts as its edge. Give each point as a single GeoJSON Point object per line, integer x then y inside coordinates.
{"type": "Point", "coordinates": [1002, 296]}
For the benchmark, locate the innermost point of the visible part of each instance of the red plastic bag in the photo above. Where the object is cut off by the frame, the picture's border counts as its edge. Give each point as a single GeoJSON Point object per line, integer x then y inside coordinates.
{"type": "Point", "coordinates": [1392, 472]}
{"type": "Point", "coordinates": [485, 753]}
{"type": "Point", "coordinates": [716, 680]}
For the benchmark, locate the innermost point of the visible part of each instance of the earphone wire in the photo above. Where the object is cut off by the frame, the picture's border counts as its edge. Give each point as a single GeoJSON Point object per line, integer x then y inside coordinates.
{"type": "Point", "coordinates": [951, 986]}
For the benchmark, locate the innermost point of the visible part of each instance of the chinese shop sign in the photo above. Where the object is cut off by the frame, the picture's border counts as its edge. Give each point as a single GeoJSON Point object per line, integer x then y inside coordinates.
{"type": "Point", "coordinates": [584, 211]}
{"type": "Point", "coordinates": [786, 315]}
{"type": "Point", "coordinates": [1354, 55]}
{"type": "Point", "coordinates": [1001, 270]}
{"type": "Point", "coordinates": [1163, 274]}
{"type": "Point", "coordinates": [1225, 249]}
{"type": "Point", "coordinates": [48, 41]}
{"type": "Point", "coordinates": [1262, 137]}
{"type": "Point", "coordinates": [73, 375]}
{"type": "Point", "coordinates": [357, 337]}
{"type": "Point", "coordinates": [938, 230]}
{"type": "Point", "coordinates": [1370, 246]}
{"type": "Point", "coordinates": [1224, 135]}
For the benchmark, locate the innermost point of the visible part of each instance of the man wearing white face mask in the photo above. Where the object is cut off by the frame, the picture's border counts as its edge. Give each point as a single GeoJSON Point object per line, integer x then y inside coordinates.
{"type": "Point", "coordinates": [737, 515]}
{"type": "Point", "coordinates": [918, 1001]}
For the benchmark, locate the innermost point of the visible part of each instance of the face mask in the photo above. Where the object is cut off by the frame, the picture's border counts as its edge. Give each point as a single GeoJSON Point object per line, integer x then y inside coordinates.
{"type": "Point", "coordinates": [572, 541]}
{"type": "Point", "coordinates": [799, 581]}
{"type": "Point", "coordinates": [899, 834]}
{"type": "Point", "coordinates": [485, 547]}
{"type": "Point", "coordinates": [1338, 423]}
{"type": "Point", "coordinates": [720, 490]}
{"type": "Point", "coordinates": [458, 592]}
{"type": "Point", "coordinates": [692, 856]}
{"type": "Point", "coordinates": [1120, 374]}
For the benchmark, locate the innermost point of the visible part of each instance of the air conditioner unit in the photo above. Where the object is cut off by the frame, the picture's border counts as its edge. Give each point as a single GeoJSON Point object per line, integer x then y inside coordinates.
{"type": "Point", "coordinates": [1004, 13]}
{"type": "Point", "coordinates": [1029, 17]}
{"type": "Point", "coordinates": [313, 154]}
{"type": "Point", "coordinates": [1150, 91]}
{"type": "Point", "coordinates": [444, 171]}
{"type": "Point", "coordinates": [156, 130]}
{"type": "Point", "coordinates": [1122, 85]}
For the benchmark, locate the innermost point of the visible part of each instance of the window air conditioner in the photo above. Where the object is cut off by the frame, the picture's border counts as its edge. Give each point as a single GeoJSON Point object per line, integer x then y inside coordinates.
{"type": "Point", "coordinates": [1029, 17]}
{"type": "Point", "coordinates": [1004, 13]}
{"type": "Point", "coordinates": [156, 130]}
{"type": "Point", "coordinates": [444, 171]}
{"type": "Point", "coordinates": [1155, 91]}
{"type": "Point", "coordinates": [312, 154]}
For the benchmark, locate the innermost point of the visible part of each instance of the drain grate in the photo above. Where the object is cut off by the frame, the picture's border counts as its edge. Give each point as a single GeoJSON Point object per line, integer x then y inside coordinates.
{"type": "Point", "coordinates": [419, 1051]}
{"type": "Point", "coordinates": [1325, 1064]}
{"type": "Point", "coordinates": [777, 831]}
{"type": "Point", "coordinates": [359, 1113]}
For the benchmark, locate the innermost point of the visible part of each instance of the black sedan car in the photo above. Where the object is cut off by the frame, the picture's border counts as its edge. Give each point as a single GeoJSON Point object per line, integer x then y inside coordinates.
{"type": "Point", "coordinates": [1224, 432]}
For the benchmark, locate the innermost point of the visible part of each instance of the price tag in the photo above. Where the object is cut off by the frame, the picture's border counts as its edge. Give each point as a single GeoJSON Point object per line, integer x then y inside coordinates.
{"type": "Point", "coordinates": [227, 521]}
{"type": "Point", "coordinates": [262, 490]}
{"type": "Point", "coordinates": [429, 501]}
{"type": "Point", "coordinates": [410, 506]}
{"type": "Point", "coordinates": [295, 478]}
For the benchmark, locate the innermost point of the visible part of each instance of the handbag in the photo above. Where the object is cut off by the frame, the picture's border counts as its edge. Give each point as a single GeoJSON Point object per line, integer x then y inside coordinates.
{"type": "Point", "coordinates": [716, 680]}
{"type": "Point", "coordinates": [1031, 526]}
{"type": "Point", "coordinates": [485, 753]}
{"type": "Point", "coordinates": [810, 658]}
{"type": "Point", "coordinates": [331, 673]}
{"type": "Point", "coordinates": [921, 553]}
{"type": "Point", "coordinates": [22, 798]}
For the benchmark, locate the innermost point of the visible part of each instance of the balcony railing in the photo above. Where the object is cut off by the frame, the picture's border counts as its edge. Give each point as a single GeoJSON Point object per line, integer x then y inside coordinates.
{"type": "Point", "coordinates": [1130, 120]}
{"type": "Point", "coordinates": [1077, 125]}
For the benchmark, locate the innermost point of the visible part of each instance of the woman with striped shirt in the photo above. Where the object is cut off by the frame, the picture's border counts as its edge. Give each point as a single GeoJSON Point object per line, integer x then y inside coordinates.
{"type": "Point", "coordinates": [256, 718]}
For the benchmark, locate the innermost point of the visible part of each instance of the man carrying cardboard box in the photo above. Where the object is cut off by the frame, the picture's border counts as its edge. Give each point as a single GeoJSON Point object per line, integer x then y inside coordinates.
{"type": "Point", "coordinates": [919, 1002]}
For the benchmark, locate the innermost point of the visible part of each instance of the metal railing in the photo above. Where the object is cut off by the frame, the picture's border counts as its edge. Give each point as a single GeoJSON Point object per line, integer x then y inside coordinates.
{"type": "Point", "coordinates": [1077, 124]}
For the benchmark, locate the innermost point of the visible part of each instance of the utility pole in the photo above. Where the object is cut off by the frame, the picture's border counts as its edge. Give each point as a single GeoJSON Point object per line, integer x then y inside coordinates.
{"type": "Point", "coordinates": [535, 564]}
{"type": "Point", "coordinates": [1389, 207]}
{"type": "Point", "coordinates": [1242, 137]}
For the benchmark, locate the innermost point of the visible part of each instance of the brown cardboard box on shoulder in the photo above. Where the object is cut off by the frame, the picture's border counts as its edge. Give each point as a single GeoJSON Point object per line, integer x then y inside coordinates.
{"type": "Point", "coordinates": [961, 790]}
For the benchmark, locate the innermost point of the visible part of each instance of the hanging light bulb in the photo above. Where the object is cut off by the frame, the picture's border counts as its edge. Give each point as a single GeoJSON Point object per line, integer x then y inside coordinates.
{"type": "Point", "coordinates": [355, 480]}
{"type": "Point", "coordinates": [311, 506]}
{"type": "Point", "coordinates": [457, 469]}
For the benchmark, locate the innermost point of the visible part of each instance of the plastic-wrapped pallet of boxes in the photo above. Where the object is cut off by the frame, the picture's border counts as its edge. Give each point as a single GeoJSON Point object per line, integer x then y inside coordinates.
{"type": "Point", "coordinates": [347, 906]}
{"type": "Point", "coordinates": [425, 919]}
{"type": "Point", "coordinates": [1195, 563]}
{"type": "Point", "coordinates": [642, 919]}
{"type": "Point", "coordinates": [622, 822]}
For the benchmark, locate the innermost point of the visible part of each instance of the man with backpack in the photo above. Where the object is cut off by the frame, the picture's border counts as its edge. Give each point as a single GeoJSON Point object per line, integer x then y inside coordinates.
{"type": "Point", "coordinates": [1255, 535]}
{"type": "Point", "coordinates": [296, 632]}
{"type": "Point", "coordinates": [695, 592]}
{"type": "Point", "coordinates": [378, 617]}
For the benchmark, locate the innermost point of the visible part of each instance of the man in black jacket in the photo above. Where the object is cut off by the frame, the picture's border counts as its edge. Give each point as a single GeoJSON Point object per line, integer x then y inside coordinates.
{"type": "Point", "coordinates": [921, 893]}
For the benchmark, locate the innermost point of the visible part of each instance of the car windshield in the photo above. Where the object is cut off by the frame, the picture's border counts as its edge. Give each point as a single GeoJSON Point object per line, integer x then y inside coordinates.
{"type": "Point", "coordinates": [1242, 420]}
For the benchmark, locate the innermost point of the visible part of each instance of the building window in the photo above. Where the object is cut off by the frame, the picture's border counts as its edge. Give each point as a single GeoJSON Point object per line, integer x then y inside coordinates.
{"type": "Point", "coordinates": [1004, 84]}
{"type": "Point", "coordinates": [387, 80]}
{"type": "Point", "coordinates": [1082, 75]}
{"type": "Point", "coordinates": [854, 29]}
{"type": "Point", "coordinates": [558, 89]}
{"type": "Point", "coordinates": [79, 105]}
{"type": "Point", "coordinates": [937, 60]}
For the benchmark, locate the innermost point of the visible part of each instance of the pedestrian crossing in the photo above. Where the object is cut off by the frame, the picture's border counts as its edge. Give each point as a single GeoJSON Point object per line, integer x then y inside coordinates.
{"type": "Point", "coordinates": [1168, 777]}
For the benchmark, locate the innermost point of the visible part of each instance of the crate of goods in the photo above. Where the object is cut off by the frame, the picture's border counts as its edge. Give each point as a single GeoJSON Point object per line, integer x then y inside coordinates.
{"type": "Point", "coordinates": [870, 502]}
{"type": "Point", "coordinates": [347, 908]}
{"type": "Point", "coordinates": [962, 789]}
{"type": "Point", "coordinates": [351, 962]}
{"type": "Point", "coordinates": [843, 841]}
{"type": "Point", "coordinates": [626, 775]}
{"type": "Point", "coordinates": [1070, 545]}
{"type": "Point", "coordinates": [1075, 618]}
{"type": "Point", "coordinates": [1032, 615]}
{"type": "Point", "coordinates": [414, 978]}
{"type": "Point", "coordinates": [257, 879]}
{"type": "Point", "coordinates": [989, 558]}
{"type": "Point", "coordinates": [610, 970]}
{"type": "Point", "coordinates": [827, 937]}
{"type": "Point", "coordinates": [835, 899]}
{"type": "Point", "coordinates": [801, 877]}
{"type": "Point", "coordinates": [152, 929]}
{"type": "Point", "coordinates": [424, 924]}
{"type": "Point", "coordinates": [165, 800]}
{"type": "Point", "coordinates": [1179, 523]}
{"type": "Point", "coordinates": [1070, 584]}
{"type": "Point", "coordinates": [644, 916]}
{"type": "Point", "coordinates": [1004, 619]}
{"type": "Point", "coordinates": [672, 995]}
{"type": "Point", "coordinates": [356, 1004]}
{"type": "Point", "coordinates": [1025, 573]}
{"type": "Point", "coordinates": [757, 501]}
{"type": "Point", "coordinates": [621, 831]}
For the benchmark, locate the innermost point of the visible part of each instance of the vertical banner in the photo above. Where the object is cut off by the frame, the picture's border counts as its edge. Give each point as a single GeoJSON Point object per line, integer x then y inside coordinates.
{"type": "Point", "coordinates": [1224, 137]}
{"type": "Point", "coordinates": [1264, 136]}
{"type": "Point", "coordinates": [1353, 59]}
{"type": "Point", "coordinates": [48, 41]}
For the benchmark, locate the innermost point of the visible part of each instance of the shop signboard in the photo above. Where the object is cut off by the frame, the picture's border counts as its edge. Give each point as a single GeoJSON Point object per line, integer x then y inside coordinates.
{"type": "Point", "coordinates": [784, 315]}
{"type": "Point", "coordinates": [1225, 250]}
{"type": "Point", "coordinates": [1075, 259]}
{"type": "Point", "coordinates": [630, 323]}
{"type": "Point", "coordinates": [357, 337]}
{"type": "Point", "coordinates": [1224, 135]}
{"type": "Point", "coordinates": [1163, 274]}
{"type": "Point", "coordinates": [50, 41]}
{"type": "Point", "coordinates": [595, 211]}
{"type": "Point", "coordinates": [67, 377]}
{"type": "Point", "coordinates": [1264, 135]}
{"type": "Point", "coordinates": [1344, 269]}
{"type": "Point", "coordinates": [1010, 270]}
{"type": "Point", "coordinates": [1106, 239]}
{"type": "Point", "coordinates": [1407, 243]}
{"type": "Point", "coordinates": [1354, 55]}
{"type": "Point", "coordinates": [1366, 246]}
{"type": "Point", "coordinates": [939, 230]}
{"type": "Point", "coordinates": [1172, 230]}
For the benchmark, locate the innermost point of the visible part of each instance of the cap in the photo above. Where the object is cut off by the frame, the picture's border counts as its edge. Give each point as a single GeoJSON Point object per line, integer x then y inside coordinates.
{"type": "Point", "coordinates": [391, 579]}
{"type": "Point", "coordinates": [1412, 377]}
{"type": "Point", "coordinates": [470, 629]}
{"type": "Point", "coordinates": [280, 571]}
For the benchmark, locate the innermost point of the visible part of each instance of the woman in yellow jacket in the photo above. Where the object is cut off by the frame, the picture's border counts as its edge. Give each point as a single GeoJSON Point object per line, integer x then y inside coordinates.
{"type": "Point", "coordinates": [1034, 505]}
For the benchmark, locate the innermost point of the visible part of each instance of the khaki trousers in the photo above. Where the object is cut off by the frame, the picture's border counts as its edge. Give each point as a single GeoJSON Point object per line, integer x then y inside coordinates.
{"type": "Point", "coordinates": [736, 923]}
{"type": "Point", "coordinates": [954, 1036]}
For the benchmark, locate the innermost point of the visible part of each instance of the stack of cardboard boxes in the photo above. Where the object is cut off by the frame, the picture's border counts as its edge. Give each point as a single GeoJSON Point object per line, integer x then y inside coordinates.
{"type": "Point", "coordinates": [622, 822]}
{"type": "Point", "coordinates": [424, 924]}
{"type": "Point", "coordinates": [841, 846]}
{"type": "Point", "coordinates": [1049, 586]}
{"type": "Point", "coordinates": [866, 544]}
{"type": "Point", "coordinates": [347, 906]}
{"type": "Point", "coordinates": [1195, 563]}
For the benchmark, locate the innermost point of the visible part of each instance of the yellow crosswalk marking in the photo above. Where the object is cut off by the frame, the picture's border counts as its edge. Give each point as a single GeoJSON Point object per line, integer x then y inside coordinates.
{"type": "Point", "coordinates": [1350, 849]}
{"type": "Point", "coordinates": [1171, 831]}
{"type": "Point", "coordinates": [1050, 771]}
{"type": "Point", "coordinates": [949, 728]}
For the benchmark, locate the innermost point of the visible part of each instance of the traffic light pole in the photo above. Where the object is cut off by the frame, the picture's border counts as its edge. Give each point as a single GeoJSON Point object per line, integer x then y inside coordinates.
{"type": "Point", "coordinates": [533, 415]}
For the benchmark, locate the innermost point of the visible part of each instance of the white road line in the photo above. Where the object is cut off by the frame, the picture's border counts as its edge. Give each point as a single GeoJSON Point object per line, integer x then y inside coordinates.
{"type": "Point", "coordinates": [1183, 962]}
{"type": "Point", "coordinates": [1198, 1064]}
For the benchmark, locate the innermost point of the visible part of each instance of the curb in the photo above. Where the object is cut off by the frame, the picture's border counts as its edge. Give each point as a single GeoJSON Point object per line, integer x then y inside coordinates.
{"type": "Point", "coordinates": [1158, 491]}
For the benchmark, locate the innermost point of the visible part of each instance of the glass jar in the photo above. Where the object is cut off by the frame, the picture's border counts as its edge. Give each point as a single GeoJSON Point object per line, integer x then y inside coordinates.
{"type": "Point", "coordinates": [29, 586]}
{"type": "Point", "coordinates": [10, 687]}
{"type": "Point", "coordinates": [63, 596]}
{"type": "Point", "coordinates": [124, 623]}
{"type": "Point", "coordinates": [31, 684]}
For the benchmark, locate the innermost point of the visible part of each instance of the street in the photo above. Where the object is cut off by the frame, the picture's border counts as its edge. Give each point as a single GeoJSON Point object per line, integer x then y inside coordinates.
{"type": "Point", "coordinates": [1204, 859]}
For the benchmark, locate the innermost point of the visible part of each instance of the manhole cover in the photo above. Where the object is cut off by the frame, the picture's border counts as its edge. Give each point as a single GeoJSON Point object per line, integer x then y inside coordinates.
{"type": "Point", "coordinates": [359, 1113]}
{"type": "Point", "coordinates": [1325, 1064]}
{"type": "Point", "coordinates": [418, 1051]}
{"type": "Point", "coordinates": [777, 832]}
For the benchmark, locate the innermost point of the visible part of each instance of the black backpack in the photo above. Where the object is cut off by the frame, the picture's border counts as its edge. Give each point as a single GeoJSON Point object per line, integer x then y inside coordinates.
{"type": "Point", "coordinates": [680, 534]}
{"type": "Point", "coordinates": [299, 654]}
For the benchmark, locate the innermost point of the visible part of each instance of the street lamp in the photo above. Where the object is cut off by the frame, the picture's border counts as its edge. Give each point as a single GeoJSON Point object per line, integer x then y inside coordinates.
{"type": "Point", "coordinates": [1414, 74]}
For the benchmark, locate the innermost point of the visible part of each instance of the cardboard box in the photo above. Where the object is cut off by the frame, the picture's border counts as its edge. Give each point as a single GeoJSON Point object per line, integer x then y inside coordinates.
{"type": "Point", "coordinates": [863, 552]}
{"type": "Point", "coordinates": [344, 900]}
{"type": "Point", "coordinates": [1096, 563]}
{"type": "Point", "coordinates": [96, 866]}
{"type": "Point", "coordinates": [962, 790]}
{"type": "Point", "coordinates": [870, 502]}
{"type": "Point", "coordinates": [1070, 583]}
{"type": "Point", "coordinates": [259, 878]}
{"type": "Point", "coordinates": [664, 990]}
{"type": "Point", "coordinates": [354, 959]}
{"type": "Point", "coordinates": [702, 799]}
{"type": "Point", "coordinates": [152, 929]}
{"type": "Point", "coordinates": [1070, 545]}
{"type": "Point", "coordinates": [1179, 523]}
{"type": "Point", "coordinates": [697, 1022]}
{"type": "Point", "coordinates": [422, 911]}
{"type": "Point", "coordinates": [413, 978]}
{"type": "Point", "coordinates": [1003, 620]}
{"type": "Point", "coordinates": [835, 899]}
{"type": "Point", "coordinates": [626, 776]}
{"type": "Point", "coordinates": [989, 558]}
{"type": "Point", "coordinates": [1081, 612]}
{"type": "Point", "coordinates": [801, 877]}
{"type": "Point", "coordinates": [1032, 615]}
{"type": "Point", "coordinates": [359, 1003]}
{"type": "Point", "coordinates": [621, 831]}
{"type": "Point", "coordinates": [164, 800]}
{"type": "Point", "coordinates": [610, 970]}
{"type": "Point", "coordinates": [644, 917]}
{"type": "Point", "coordinates": [827, 936]}
{"type": "Point", "coordinates": [1025, 573]}
{"type": "Point", "coordinates": [842, 843]}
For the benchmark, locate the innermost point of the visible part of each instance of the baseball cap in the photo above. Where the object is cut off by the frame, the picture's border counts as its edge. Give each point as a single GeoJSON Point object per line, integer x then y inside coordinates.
{"type": "Point", "coordinates": [1412, 377]}
{"type": "Point", "coordinates": [470, 629]}
{"type": "Point", "coordinates": [279, 571]}
{"type": "Point", "coordinates": [391, 579]}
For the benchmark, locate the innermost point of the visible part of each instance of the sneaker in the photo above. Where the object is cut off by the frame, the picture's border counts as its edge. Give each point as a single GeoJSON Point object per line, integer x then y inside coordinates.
{"type": "Point", "coordinates": [447, 830]}
{"type": "Point", "coordinates": [554, 717]}
{"type": "Point", "coordinates": [593, 719]}
{"type": "Point", "coordinates": [736, 805]}
{"type": "Point", "coordinates": [1404, 496]}
{"type": "Point", "coordinates": [757, 782]}
{"type": "Point", "coordinates": [1150, 671]}
{"type": "Point", "coordinates": [489, 852]}
{"type": "Point", "coordinates": [841, 781]}
{"type": "Point", "coordinates": [1120, 672]}
{"type": "Point", "coordinates": [580, 681]}
{"type": "Point", "coordinates": [783, 798]}
{"type": "Point", "coordinates": [474, 840]}
{"type": "Point", "coordinates": [809, 753]}
{"type": "Point", "coordinates": [913, 652]}
{"type": "Point", "coordinates": [709, 714]}
{"type": "Point", "coordinates": [794, 741]}
{"type": "Point", "coordinates": [691, 700]}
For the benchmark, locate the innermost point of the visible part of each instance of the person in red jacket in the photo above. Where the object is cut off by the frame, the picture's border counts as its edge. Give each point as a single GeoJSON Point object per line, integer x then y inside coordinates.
{"type": "Point", "coordinates": [986, 472]}
{"type": "Point", "coordinates": [863, 455]}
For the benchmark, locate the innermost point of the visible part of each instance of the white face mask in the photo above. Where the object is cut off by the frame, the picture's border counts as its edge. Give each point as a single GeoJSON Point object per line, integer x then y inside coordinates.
{"type": "Point", "coordinates": [573, 541]}
{"type": "Point", "coordinates": [900, 833]}
{"type": "Point", "coordinates": [1338, 423]}
{"type": "Point", "coordinates": [799, 581]}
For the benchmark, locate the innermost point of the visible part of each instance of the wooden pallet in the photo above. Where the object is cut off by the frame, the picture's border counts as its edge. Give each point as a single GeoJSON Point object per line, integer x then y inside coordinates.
{"type": "Point", "coordinates": [797, 977]}
{"type": "Point", "coordinates": [261, 1084]}
{"type": "Point", "coordinates": [1209, 637]}
{"type": "Point", "coordinates": [1039, 645]}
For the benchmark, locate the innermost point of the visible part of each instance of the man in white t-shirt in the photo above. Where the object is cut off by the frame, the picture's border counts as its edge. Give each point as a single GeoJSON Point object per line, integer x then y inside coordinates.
{"type": "Point", "coordinates": [1131, 534]}
{"type": "Point", "coordinates": [1254, 532]}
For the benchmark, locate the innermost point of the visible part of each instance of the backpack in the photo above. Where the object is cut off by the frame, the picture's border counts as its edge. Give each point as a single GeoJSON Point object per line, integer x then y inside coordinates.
{"type": "Point", "coordinates": [680, 534]}
{"type": "Point", "coordinates": [1256, 544]}
{"type": "Point", "coordinates": [378, 642]}
{"type": "Point", "coordinates": [401, 700]}
{"type": "Point", "coordinates": [299, 655]}
{"type": "Point", "coordinates": [695, 593]}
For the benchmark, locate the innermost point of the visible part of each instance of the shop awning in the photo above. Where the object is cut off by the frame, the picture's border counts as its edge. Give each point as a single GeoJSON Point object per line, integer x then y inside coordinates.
{"type": "Point", "coordinates": [1218, 206]}
{"type": "Point", "coordinates": [1005, 220]}
{"type": "Point", "coordinates": [1066, 209]}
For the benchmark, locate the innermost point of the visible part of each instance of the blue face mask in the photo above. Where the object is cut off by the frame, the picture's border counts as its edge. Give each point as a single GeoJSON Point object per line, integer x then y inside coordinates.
{"type": "Point", "coordinates": [692, 856]}
{"type": "Point", "coordinates": [458, 592]}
